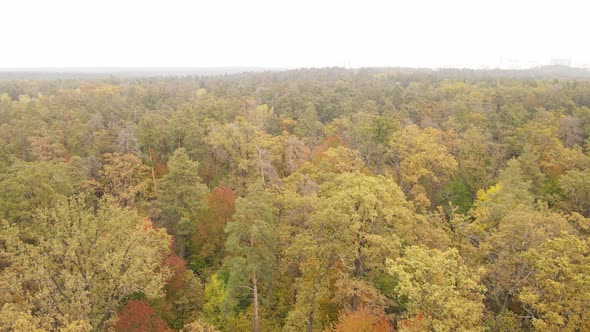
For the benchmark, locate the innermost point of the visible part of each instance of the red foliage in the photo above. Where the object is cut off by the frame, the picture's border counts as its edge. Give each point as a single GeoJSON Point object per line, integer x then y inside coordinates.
{"type": "Point", "coordinates": [148, 225]}
{"type": "Point", "coordinates": [414, 324]}
{"type": "Point", "coordinates": [362, 319]}
{"type": "Point", "coordinates": [178, 267]}
{"type": "Point", "coordinates": [173, 288]}
{"type": "Point", "coordinates": [330, 142]}
{"type": "Point", "coordinates": [160, 168]}
{"type": "Point", "coordinates": [221, 200]}
{"type": "Point", "coordinates": [138, 315]}
{"type": "Point", "coordinates": [221, 206]}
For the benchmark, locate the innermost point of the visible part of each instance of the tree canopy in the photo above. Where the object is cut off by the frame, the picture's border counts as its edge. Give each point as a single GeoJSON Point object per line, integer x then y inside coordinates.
{"type": "Point", "coordinates": [375, 199]}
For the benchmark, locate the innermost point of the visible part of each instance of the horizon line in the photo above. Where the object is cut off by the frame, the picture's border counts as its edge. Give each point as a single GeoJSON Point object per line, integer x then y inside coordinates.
{"type": "Point", "coordinates": [83, 69]}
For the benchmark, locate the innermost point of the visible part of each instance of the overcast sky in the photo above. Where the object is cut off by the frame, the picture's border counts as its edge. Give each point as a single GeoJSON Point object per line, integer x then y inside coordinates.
{"type": "Point", "coordinates": [286, 34]}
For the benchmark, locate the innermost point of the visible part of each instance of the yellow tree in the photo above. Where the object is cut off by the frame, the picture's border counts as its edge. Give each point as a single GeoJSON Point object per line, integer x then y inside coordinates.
{"type": "Point", "coordinates": [557, 298]}
{"type": "Point", "coordinates": [247, 152]}
{"type": "Point", "coordinates": [421, 163]}
{"type": "Point", "coordinates": [81, 263]}
{"type": "Point", "coordinates": [511, 193]}
{"type": "Point", "coordinates": [124, 177]}
{"type": "Point", "coordinates": [507, 271]}
{"type": "Point", "coordinates": [440, 287]}
{"type": "Point", "coordinates": [343, 244]}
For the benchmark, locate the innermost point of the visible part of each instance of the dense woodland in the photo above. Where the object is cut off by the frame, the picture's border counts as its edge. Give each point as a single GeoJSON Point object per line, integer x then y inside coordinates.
{"type": "Point", "coordinates": [306, 200]}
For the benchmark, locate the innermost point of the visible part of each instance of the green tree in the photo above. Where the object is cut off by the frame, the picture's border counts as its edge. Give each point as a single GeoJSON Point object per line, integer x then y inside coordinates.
{"type": "Point", "coordinates": [181, 198]}
{"type": "Point", "coordinates": [215, 297]}
{"type": "Point", "coordinates": [309, 128]}
{"type": "Point", "coordinates": [28, 186]}
{"type": "Point", "coordinates": [575, 184]}
{"type": "Point", "coordinates": [251, 246]}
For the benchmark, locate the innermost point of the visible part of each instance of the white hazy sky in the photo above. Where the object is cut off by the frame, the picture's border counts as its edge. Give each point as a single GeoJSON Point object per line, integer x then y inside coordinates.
{"type": "Point", "coordinates": [302, 33]}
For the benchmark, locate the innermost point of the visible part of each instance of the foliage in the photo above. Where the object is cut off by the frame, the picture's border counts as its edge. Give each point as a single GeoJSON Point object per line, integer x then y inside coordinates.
{"type": "Point", "coordinates": [82, 262]}
{"type": "Point", "coordinates": [440, 287]}
{"type": "Point", "coordinates": [557, 298]}
{"type": "Point", "coordinates": [251, 246]}
{"type": "Point", "coordinates": [180, 198]}
{"type": "Point", "coordinates": [361, 320]}
{"type": "Point", "coordinates": [279, 197]}
{"type": "Point", "coordinates": [138, 315]}
{"type": "Point", "coordinates": [124, 177]}
{"type": "Point", "coordinates": [209, 239]}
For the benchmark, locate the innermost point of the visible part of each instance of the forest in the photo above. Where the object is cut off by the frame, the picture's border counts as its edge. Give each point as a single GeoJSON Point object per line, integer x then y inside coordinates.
{"type": "Point", "coordinates": [335, 200]}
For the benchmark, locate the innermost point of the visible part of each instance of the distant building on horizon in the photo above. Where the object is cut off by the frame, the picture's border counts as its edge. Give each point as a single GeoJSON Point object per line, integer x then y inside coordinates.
{"type": "Point", "coordinates": [561, 62]}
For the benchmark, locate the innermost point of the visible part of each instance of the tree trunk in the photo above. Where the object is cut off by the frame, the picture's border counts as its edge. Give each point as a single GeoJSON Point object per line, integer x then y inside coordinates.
{"type": "Point", "coordinates": [310, 320]}
{"type": "Point", "coordinates": [255, 294]}
{"type": "Point", "coordinates": [153, 172]}
{"type": "Point", "coordinates": [254, 290]}
{"type": "Point", "coordinates": [312, 310]}
{"type": "Point", "coordinates": [358, 269]}
{"type": "Point", "coordinates": [261, 166]}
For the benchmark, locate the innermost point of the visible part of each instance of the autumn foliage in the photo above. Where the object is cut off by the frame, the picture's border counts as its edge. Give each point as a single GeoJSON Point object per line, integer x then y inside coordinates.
{"type": "Point", "coordinates": [308, 200]}
{"type": "Point", "coordinates": [362, 319]}
{"type": "Point", "coordinates": [414, 324]}
{"type": "Point", "coordinates": [220, 208]}
{"type": "Point", "coordinates": [177, 266]}
{"type": "Point", "coordinates": [138, 315]}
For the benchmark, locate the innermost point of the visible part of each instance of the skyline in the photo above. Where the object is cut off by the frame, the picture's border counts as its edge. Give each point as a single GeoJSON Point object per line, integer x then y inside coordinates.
{"type": "Point", "coordinates": [288, 35]}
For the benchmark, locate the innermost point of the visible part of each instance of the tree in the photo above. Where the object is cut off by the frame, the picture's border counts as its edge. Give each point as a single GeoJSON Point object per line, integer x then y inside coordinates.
{"type": "Point", "coordinates": [439, 286]}
{"type": "Point", "coordinates": [48, 145]}
{"type": "Point", "coordinates": [511, 193]}
{"type": "Point", "coordinates": [6, 159]}
{"type": "Point", "coordinates": [216, 294]}
{"type": "Point", "coordinates": [479, 158]}
{"type": "Point", "coordinates": [575, 184]}
{"type": "Point", "coordinates": [199, 326]}
{"type": "Point", "coordinates": [343, 160]}
{"type": "Point", "coordinates": [13, 318]}
{"type": "Point", "coordinates": [361, 320]}
{"type": "Point", "coordinates": [26, 187]}
{"type": "Point", "coordinates": [356, 226]}
{"type": "Point", "coordinates": [293, 153]}
{"type": "Point", "coordinates": [507, 270]}
{"type": "Point", "coordinates": [421, 164]}
{"type": "Point", "coordinates": [570, 131]}
{"type": "Point", "coordinates": [251, 245]}
{"type": "Point", "coordinates": [127, 142]}
{"type": "Point", "coordinates": [247, 152]}
{"type": "Point", "coordinates": [181, 198]}
{"type": "Point", "coordinates": [124, 177]}
{"type": "Point", "coordinates": [557, 298]}
{"type": "Point", "coordinates": [209, 239]}
{"type": "Point", "coordinates": [139, 316]}
{"type": "Point", "coordinates": [83, 262]}
{"type": "Point", "coordinates": [183, 301]}
{"type": "Point", "coordinates": [309, 128]}
{"type": "Point", "coordinates": [369, 134]}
